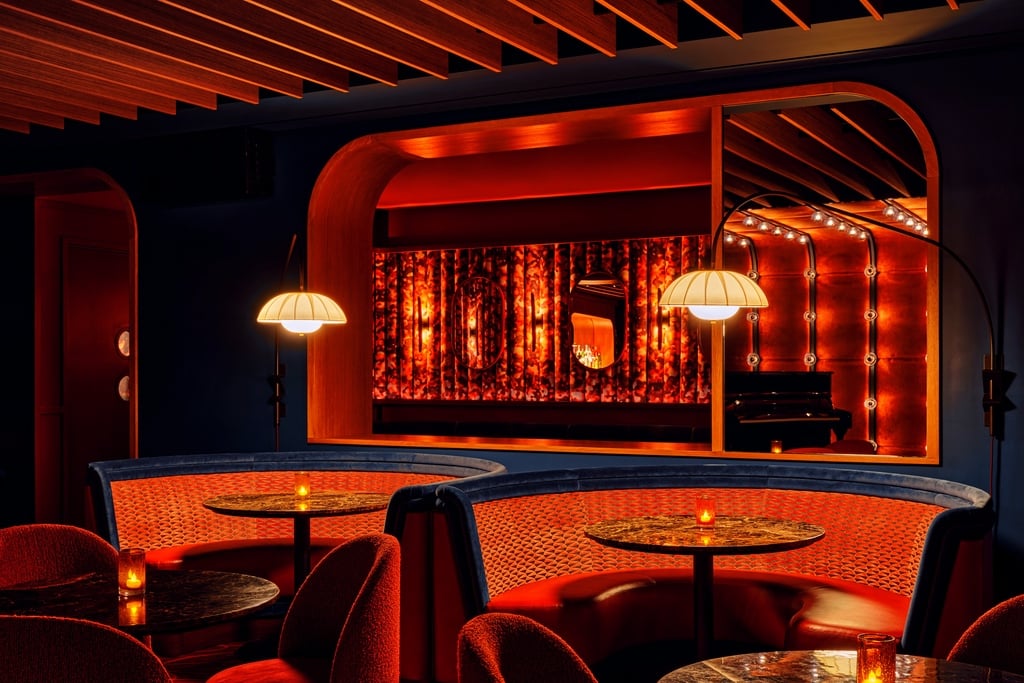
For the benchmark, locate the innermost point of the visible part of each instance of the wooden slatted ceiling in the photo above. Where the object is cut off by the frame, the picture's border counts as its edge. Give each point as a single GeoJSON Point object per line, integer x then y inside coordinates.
{"type": "Point", "coordinates": [81, 59]}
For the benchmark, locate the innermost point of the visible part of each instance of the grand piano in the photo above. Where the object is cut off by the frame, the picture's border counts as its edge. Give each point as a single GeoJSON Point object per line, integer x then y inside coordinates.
{"type": "Point", "coordinates": [792, 407]}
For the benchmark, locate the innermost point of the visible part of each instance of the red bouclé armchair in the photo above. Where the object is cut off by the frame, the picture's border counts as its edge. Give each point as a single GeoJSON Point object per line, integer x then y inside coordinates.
{"type": "Point", "coordinates": [498, 647]}
{"type": "Point", "coordinates": [995, 639]}
{"type": "Point", "coordinates": [36, 648]}
{"type": "Point", "coordinates": [342, 625]}
{"type": "Point", "coordinates": [41, 553]}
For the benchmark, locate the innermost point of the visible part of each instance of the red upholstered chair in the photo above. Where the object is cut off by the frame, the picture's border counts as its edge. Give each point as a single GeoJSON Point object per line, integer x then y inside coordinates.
{"type": "Point", "coordinates": [342, 624]}
{"type": "Point", "coordinates": [995, 639]}
{"type": "Point", "coordinates": [51, 552]}
{"type": "Point", "coordinates": [499, 647]}
{"type": "Point", "coordinates": [36, 649]}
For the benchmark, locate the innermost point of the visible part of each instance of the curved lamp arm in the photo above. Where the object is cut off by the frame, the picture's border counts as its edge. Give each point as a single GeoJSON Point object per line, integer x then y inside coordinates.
{"type": "Point", "coordinates": [995, 379]}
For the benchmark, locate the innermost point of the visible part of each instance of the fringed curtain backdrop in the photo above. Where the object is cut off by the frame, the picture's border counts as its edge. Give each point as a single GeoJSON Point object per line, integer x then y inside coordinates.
{"type": "Point", "coordinates": [494, 324]}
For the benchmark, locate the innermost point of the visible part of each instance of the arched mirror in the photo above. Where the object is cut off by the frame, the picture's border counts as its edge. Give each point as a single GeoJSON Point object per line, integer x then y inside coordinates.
{"type": "Point", "coordinates": [598, 314]}
{"type": "Point", "coordinates": [478, 323]}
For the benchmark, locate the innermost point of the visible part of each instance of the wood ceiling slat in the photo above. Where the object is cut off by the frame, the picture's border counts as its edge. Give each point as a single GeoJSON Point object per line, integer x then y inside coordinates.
{"type": "Point", "coordinates": [725, 14]}
{"type": "Point", "coordinates": [660, 20]}
{"type": "Point", "coordinates": [242, 45]}
{"type": "Point", "coordinates": [114, 18]}
{"type": "Point", "coordinates": [48, 105]}
{"type": "Point", "coordinates": [758, 153]}
{"type": "Point", "coordinates": [434, 27]}
{"type": "Point", "coordinates": [50, 62]}
{"type": "Point", "coordinates": [828, 130]}
{"type": "Point", "coordinates": [15, 125]}
{"type": "Point", "coordinates": [362, 31]}
{"type": "Point", "coordinates": [200, 93]}
{"type": "Point", "coordinates": [506, 22]}
{"type": "Point", "coordinates": [799, 11]}
{"type": "Point", "coordinates": [31, 115]}
{"type": "Point", "coordinates": [59, 20]}
{"type": "Point", "coordinates": [861, 117]}
{"type": "Point", "coordinates": [83, 95]}
{"type": "Point", "coordinates": [241, 16]}
{"type": "Point", "coordinates": [762, 177]}
{"type": "Point", "coordinates": [776, 132]}
{"type": "Point", "coordinates": [577, 19]}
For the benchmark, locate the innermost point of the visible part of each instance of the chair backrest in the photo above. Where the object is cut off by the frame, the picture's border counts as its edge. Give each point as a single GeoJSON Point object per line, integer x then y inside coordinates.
{"type": "Point", "coordinates": [37, 649]}
{"type": "Point", "coordinates": [51, 552]}
{"type": "Point", "coordinates": [347, 610]}
{"type": "Point", "coordinates": [995, 639]}
{"type": "Point", "coordinates": [495, 647]}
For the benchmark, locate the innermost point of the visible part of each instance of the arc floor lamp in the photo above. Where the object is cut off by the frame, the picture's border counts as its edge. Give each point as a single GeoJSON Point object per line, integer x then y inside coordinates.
{"type": "Point", "coordinates": [715, 294]}
{"type": "Point", "coordinates": [299, 312]}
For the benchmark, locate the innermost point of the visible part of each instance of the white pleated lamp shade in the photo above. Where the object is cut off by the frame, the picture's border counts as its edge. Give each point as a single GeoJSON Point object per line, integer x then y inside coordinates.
{"type": "Point", "coordinates": [714, 294]}
{"type": "Point", "coordinates": [302, 312]}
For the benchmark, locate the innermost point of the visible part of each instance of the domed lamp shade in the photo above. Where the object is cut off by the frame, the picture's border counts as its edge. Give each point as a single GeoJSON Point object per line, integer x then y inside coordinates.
{"type": "Point", "coordinates": [301, 312]}
{"type": "Point", "coordinates": [714, 294]}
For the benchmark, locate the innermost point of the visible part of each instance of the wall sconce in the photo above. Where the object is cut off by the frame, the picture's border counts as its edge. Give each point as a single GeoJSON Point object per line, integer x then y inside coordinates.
{"type": "Point", "coordinates": [422, 315]}
{"type": "Point", "coordinates": [300, 312]}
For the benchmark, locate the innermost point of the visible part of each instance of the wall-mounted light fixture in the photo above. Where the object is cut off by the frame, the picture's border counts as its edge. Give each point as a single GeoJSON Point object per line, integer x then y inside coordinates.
{"type": "Point", "coordinates": [300, 312]}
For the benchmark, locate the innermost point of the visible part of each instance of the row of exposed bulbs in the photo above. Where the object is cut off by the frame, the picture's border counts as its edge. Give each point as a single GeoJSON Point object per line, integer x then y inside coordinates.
{"type": "Point", "coordinates": [897, 213]}
{"type": "Point", "coordinates": [892, 211]}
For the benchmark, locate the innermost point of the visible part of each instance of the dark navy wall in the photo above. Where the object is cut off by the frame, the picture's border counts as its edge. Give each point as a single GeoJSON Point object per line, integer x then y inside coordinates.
{"type": "Point", "coordinates": [205, 269]}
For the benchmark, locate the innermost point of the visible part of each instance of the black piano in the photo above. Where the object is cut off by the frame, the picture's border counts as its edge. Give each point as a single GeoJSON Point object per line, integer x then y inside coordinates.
{"type": "Point", "coordinates": [792, 407]}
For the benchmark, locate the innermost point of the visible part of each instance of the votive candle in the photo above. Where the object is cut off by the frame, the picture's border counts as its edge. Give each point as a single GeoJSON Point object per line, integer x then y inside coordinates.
{"type": "Point", "coordinates": [131, 572]}
{"type": "Point", "coordinates": [302, 484]}
{"type": "Point", "coordinates": [705, 512]}
{"type": "Point", "coordinates": [876, 658]}
{"type": "Point", "coordinates": [776, 445]}
{"type": "Point", "coordinates": [131, 611]}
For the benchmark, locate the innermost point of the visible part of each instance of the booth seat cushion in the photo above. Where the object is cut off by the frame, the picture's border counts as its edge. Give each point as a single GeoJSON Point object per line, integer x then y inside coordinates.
{"type": "Point", "coordinates": [600, 613]}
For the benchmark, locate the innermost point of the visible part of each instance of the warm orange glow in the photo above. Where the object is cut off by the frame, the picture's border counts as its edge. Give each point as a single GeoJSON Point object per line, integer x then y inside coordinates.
{"type": "Point", "coordinates": [302, 485]}
{"type": "Point", "coordinates": [705, 514]}
{"type": "Point", "coordinates": [131, 572]}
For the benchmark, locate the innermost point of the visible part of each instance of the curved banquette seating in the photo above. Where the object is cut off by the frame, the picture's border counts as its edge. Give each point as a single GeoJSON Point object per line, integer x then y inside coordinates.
{"type": "Point", "coordinates": [901, 554]}
{"type": "Point", "coordinates": [156, 503]}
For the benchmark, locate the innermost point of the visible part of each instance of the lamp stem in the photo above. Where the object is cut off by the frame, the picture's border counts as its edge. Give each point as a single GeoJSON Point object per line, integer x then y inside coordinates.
{"type": "Point", "coordinates": [277, 378]}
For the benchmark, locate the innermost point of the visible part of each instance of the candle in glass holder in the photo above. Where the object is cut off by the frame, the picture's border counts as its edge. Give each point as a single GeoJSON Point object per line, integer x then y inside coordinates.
{"type": "Point", "coordinates": [705, 513]}
{"type": "Point", "coordinates": [131, 571]}
{"type": "Point", "coordinates": [131, 611]}
{"type": "Point", "coordinates": [301, 484]}
{"type": "Point", "coordinates": [876, 658]}
{"type": "Point", "coordinates": [776, 445]}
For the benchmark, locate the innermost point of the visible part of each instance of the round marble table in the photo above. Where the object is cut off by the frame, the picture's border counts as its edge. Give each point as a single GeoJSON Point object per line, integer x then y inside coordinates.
{"type": "Point", "coordinates": [680, 535]}
{"type": "Point", "coordinates": [828, 666]}
{"type": "Point", "coordinates": [175, 600]}
{"type": "Point", "coordinates": [301, 510]}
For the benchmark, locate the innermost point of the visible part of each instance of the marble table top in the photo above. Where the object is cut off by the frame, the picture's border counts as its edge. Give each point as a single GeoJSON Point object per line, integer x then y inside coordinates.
{"type": "Point", "coordinates": [174, 601]}
{"type": "Point", "coordinates": [679, 534]}
{"type": "Point", "coordinates": [316, 504]}
{"type": "Point", "coordinates": [828, 666]}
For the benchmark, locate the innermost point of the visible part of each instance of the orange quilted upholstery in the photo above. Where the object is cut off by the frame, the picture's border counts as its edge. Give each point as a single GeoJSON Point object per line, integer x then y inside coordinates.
{"type": "Point", "coordinates": [869, 540]}
{"type": "Point", "coordinates": [163, 512]}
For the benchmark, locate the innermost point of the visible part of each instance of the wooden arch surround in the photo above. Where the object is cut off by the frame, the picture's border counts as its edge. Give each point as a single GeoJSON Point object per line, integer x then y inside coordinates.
{"type": "Point", "coordinates": [415, 169]}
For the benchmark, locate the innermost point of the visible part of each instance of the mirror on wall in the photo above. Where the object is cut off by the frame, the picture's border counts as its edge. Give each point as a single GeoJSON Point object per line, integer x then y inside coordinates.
{"type": "Point", "coordinates": [478, 323]}
{"type": "Point", "coordinates": [598, 315]}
